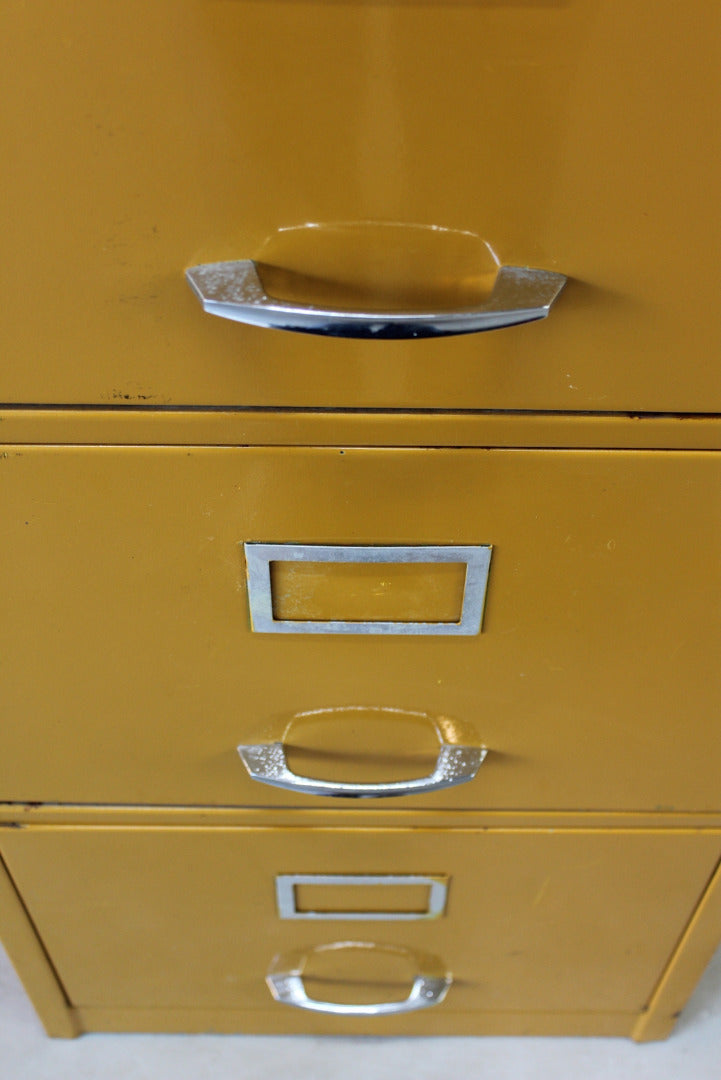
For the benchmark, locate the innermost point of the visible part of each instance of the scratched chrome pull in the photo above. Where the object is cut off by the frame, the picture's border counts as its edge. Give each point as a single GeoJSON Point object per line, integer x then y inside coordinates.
{"type": "Point", "coordinates": [268, 764]}
{"type": "Point", "coordinates": [285, 981]}
{"type": "Point", "coordinates": [233, 290]}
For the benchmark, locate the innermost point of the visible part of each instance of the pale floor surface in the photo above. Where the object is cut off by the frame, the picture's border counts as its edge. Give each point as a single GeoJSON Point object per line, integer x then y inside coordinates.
{"type": "Point", "coordinates": [693, 1051]}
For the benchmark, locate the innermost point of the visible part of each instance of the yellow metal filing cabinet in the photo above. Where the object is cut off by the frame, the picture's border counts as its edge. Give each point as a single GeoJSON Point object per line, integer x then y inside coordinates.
{"type": "Point", "coordinates": [256, 582]}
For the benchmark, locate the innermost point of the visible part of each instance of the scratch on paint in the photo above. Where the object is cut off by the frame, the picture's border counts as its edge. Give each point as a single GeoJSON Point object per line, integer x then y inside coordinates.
{"type": "Point", "coordinates": [539, 895]}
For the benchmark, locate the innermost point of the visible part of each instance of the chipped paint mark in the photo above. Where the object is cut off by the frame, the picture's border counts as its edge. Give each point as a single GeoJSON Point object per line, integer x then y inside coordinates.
{"type": "Point", "coordinates": [135, 395]}
{"type": "Point", "coordinates": [119, 395]}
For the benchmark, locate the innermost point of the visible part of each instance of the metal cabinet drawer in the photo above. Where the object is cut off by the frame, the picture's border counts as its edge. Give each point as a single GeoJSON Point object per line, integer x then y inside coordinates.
{"type": "Point", "coordinates": [539, 931]}
{"type": "Point", "coordinates": [131, 670]}
{"type": "Point", "coordinates": [143, 139]}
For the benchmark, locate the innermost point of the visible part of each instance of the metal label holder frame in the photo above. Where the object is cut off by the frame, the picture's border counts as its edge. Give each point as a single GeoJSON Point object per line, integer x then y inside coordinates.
{"type": "Point", "coordinates": [285, 885]}
{"type": "Point", "coordinates": [259, 556]}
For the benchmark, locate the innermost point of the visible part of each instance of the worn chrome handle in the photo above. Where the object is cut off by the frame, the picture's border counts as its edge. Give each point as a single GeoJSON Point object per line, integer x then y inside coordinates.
{"type": "Point", "coordinates": [267, 763]}
{"type": "Point", "coordinates": [234, 291]}
{"type": "Point", "coordinates": [428, 989]}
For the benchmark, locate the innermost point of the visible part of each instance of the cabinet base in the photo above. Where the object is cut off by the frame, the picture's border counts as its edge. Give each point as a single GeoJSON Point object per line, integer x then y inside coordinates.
{"type": "Point", "coordinates": [273, 1022]}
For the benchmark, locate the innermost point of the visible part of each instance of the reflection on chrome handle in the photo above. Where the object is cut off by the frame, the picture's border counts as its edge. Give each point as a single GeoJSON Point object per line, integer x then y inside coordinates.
{"type": "Point", "coordinates": [234, 291]}
{"type": "Point", "coordinates": [267, 763]}
{"type": "Point", "coordinates": [426, 991]}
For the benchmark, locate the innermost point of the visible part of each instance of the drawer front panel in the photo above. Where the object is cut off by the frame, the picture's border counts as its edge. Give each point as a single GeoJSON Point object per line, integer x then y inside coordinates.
{"type": "Point", "coordinates": [144, 139]}
{"type": "Point", "coordinates": [130, 670]}
{"type": "Point", "coordinates": [534, 921]}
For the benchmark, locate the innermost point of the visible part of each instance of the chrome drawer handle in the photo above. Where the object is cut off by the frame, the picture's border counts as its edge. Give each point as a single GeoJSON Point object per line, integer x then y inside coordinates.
{"type": "Point", "coordinates": [234, 291]}
{"type": "Point", "coordinates": [427, 990]}
{"type": "Point", "coordinates": [267, 763]}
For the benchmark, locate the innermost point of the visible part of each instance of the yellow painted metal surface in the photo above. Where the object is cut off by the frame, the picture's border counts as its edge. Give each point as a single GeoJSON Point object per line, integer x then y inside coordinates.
{"type": "Point", "coordinates": [25, 950]}
{"type": "Point", "coordinates": [696, 948]}
{"type": "Point", "coordinates": [131, 673]}
{"type": "Point", "coordinates": [261, 427]}
{"type": "Point", "coordinates": [143, 138]}
{"type": "Point", "coordinates": [535, 921]}
{"type": "Point", "coordinates": [367, 592]}
{"type": "Point", "coordinates": [264, 1022]}
{"type": "Point", "coordinates": [334, 813]}
{"type": "Point", "coordinates": [389, 155]}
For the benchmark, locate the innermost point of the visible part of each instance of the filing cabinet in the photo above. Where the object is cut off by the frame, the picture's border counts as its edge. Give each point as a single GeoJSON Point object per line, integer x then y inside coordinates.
{"type": "Point", "coordinates": [195, 950]}
{"type": "Point", "coordinates": [360, 679]}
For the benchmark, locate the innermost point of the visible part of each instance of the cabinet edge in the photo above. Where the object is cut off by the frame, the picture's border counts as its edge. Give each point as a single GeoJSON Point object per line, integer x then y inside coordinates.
{"type": "Point", "coordinates": [284, 1021]}
{"type": "Point", "coordinates": [24, 815]}
{"type": "Point", "coordinates": [32, 964]}
{"type": "Point", "coordinates": [380, 428]}
{"type": "Point", "coordinates": [693, 952]}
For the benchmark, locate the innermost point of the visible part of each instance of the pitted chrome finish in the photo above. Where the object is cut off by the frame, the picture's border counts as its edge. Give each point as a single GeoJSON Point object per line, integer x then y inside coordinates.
{"type": "Point", "coordinates": [425, 992]}
{"type": "Point", "coordinates": [429, 987]}
{"type": "Point", "coordinates": [267, 763]}
{"type": "Point", "coordinates": [233, 290]}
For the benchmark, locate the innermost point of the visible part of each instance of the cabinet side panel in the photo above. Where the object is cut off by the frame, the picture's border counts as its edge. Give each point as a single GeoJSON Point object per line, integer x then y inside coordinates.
{"type": "Point", "coordinates": [695, 949]}
{"type": "Point", "coordinates": [32, 964]}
